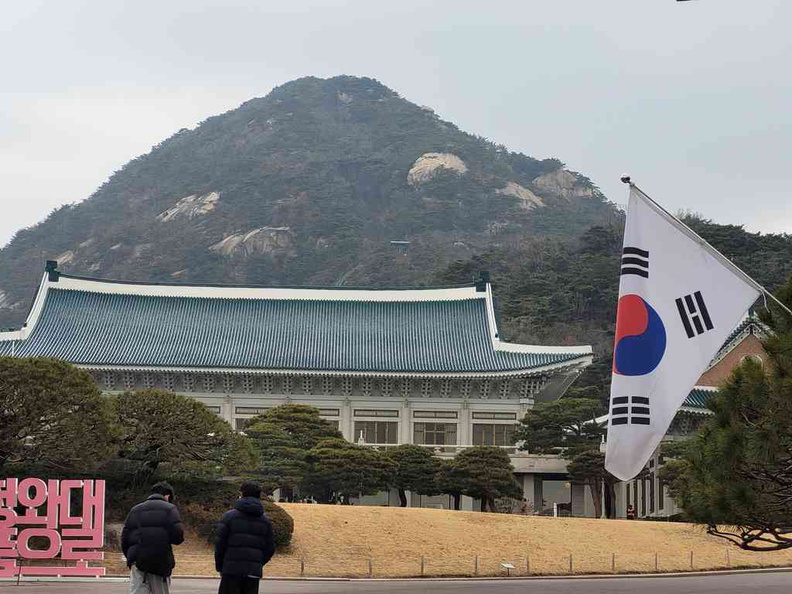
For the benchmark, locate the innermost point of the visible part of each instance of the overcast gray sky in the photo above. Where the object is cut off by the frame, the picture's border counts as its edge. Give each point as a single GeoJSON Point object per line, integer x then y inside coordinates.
{"type": "Point", "coordinates": [694, 99]}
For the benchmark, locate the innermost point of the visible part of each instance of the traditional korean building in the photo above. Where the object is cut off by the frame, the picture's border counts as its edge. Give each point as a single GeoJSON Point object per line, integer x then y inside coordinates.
{"type": "Point", "coordinates": [386, 366]}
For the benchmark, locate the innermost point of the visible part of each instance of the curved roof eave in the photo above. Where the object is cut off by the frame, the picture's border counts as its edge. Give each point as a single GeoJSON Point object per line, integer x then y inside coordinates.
{"type": "Point", "coordinates": [569, 365]}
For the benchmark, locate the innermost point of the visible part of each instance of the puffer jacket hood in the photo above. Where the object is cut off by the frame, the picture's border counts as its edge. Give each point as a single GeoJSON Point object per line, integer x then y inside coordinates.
{"type": "Point", "coordinates": [250, 506]}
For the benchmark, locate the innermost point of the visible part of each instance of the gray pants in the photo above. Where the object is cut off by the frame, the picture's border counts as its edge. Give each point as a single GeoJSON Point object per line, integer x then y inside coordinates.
{"type": "Point", "coordinates": [147, 583]}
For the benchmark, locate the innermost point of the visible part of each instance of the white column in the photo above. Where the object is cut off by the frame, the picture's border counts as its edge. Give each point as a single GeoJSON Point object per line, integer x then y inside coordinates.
{"type": "Point", "coordinates": [346, 426]}
{"type": "Point", "coordinates": [228, 409]}
{"type": "Point", "coordinates": [464, 430]}
{"type": "Point", "coordinates": [405, 423]}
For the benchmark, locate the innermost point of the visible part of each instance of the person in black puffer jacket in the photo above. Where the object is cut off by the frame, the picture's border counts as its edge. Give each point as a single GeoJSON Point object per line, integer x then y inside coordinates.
{"type": "Point", "coordinates": [149, 531]}
{"type": "Point", "coordinates": [244, 544]}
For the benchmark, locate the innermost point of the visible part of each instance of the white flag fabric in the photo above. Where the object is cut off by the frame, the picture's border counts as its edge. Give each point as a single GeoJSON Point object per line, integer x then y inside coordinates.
{"type": "Point", "coordinates": [678, 302]}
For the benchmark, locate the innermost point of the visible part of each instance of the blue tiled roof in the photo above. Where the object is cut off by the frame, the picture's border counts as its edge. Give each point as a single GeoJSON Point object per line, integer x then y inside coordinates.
{"type": "Point", "coordinates": [93, 328]}
{"type": "Point", "coordinates": [698, 398]}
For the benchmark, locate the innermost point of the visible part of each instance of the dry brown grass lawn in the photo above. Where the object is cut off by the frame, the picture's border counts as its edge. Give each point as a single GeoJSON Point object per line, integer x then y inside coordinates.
{"type": "Point", "coordinates": [340, 540]}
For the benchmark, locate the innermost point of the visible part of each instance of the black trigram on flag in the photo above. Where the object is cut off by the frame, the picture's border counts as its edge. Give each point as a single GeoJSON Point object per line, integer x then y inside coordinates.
{"type": "Point", "coordinates": [635, 261]}
{"type": "Point", "coordinates": [694, 314]}
{"type": "Point", "coordinates": [630, 409]}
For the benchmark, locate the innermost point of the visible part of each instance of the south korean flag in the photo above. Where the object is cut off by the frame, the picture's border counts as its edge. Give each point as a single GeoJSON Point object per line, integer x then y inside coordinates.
{"type": "Point", "coordinates": [678, 301]}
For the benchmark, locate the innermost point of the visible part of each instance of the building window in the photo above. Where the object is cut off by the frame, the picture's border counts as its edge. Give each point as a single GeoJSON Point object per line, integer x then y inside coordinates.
{"type": "Point", "coordinates": [329, 412]}
{"type": "Point", "coordinates": [250, 410]}
{"type": "Point", "coordinates": [627, 496]}
{"type": "Point", "coordinates": [435, 433]}
{"type": "Point", "coordinates": [366, 412]}
{"type": "Point", "coordinates": [214, 409]}
{"type": "Point", "coordinates": [492, 435]}
{"type": "Point", "coordinates": [377, 431]}
{"type": "Point", "coordinates": [334, 423]}
{"type": "Point", "coordinates": [435, 414]}
{"type": "Point", "coordinates": [500, 416]}
{"type": "Point", "coordinates": [240, 423]}
{"type": "Point", "coordinates": [754, 358]}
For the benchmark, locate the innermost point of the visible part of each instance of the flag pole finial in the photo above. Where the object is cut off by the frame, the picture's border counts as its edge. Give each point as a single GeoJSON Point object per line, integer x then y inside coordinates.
{"type": "Point", "coordinates": [626, 179]}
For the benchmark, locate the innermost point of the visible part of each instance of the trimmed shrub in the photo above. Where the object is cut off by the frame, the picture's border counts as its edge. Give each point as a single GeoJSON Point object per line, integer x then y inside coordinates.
{"type": "Point", "coordinates": [282, 523]}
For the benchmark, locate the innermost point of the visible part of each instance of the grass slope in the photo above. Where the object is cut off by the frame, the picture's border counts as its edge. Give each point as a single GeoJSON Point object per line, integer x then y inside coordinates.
{"type": "Point", "coordinates": [339, 541]}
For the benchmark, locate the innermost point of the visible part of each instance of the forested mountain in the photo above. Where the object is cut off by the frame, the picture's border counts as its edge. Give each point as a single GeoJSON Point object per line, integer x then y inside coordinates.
{"type": "Point", "coordinates": [312, 184]}
{"type": "Point", "coordinates": [308, 185]}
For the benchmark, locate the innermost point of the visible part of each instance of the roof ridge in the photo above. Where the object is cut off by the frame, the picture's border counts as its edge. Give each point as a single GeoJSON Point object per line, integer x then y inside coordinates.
{"type": "Point", "coordinates": [252, 286]}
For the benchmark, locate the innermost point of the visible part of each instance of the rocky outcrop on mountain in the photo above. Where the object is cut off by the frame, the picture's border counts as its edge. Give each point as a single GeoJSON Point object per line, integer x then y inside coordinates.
{"type": "Point", "coordinates": [191, 207]}
{"type": "Point", "coordinates": [264, 240]}
{"type": "Point", "coordinates": [426, 166]}
{"type": "Point", "coordinates": [65, 258]}
{"type": "Point", "coordinates": [563, 183]}
{"type": "Point", "coordinates": [528, 199]}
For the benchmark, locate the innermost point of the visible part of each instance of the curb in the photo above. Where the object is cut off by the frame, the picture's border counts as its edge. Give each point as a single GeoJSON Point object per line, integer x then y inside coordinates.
{"type": "Point", "coordinates": [594, 576]}
{"type": "Point", "coordinates": [599, 576]}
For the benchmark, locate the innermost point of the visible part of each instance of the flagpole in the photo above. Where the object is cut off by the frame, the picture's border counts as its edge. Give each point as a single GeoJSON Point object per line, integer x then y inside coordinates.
{"type": "Point", "coordinates": [705, 244]}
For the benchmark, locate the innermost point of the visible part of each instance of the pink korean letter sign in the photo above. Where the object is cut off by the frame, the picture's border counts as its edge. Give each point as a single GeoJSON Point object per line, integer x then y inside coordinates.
{"type": "Point", "coordinates": [34, 507]}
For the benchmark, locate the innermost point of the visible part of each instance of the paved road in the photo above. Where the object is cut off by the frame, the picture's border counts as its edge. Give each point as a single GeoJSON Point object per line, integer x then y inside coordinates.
{"type": "Point", "coordinates": [767, 583]}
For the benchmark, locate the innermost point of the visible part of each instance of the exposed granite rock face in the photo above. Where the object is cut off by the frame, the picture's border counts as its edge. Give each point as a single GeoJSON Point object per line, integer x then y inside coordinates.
{"type": "Point", "coordinates": [264, 240]}
{"type": "Point", "coordinates": [190, 207]}
{"type": "Point", "coordinates": [564, 184]}
{"type": "Point", "coordinates": [427, 165]}
{"type": "Point", "coordinates": [65, 258]}
{"type": "Point", "coordinates": [8, 304]}
{"type": "Point", "coordinates": [528, 200]}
